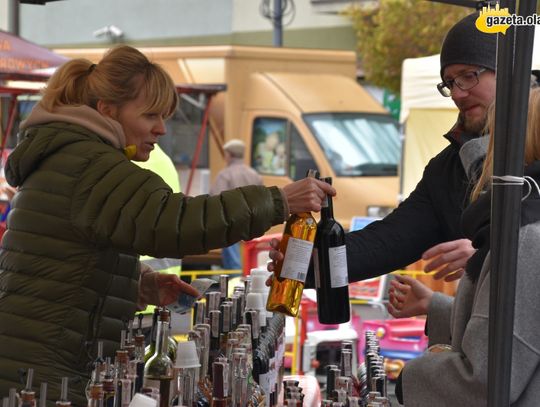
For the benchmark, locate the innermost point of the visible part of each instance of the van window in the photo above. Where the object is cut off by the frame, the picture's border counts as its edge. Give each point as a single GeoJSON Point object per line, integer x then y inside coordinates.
{"type": "Point", "coordinates": [300, 158]}
{"type": "Point", "coordinates": [358, 144]}
{"type": "Point", "coordinates": [278, 149]}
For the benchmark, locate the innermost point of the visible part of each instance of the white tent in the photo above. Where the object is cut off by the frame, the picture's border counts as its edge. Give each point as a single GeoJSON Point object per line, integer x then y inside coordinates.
{"type": "Point", "coordinates": [426, 115]}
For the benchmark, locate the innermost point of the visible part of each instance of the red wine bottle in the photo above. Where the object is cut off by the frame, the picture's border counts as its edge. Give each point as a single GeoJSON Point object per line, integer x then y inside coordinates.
{"type": "Point", "coordinates": [330, 266]}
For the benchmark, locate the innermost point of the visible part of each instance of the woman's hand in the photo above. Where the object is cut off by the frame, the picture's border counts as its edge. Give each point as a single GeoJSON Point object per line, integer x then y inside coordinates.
{"type": "Point", "coordinates": [408, 297]}
{"type": "Point", "coordinates": [449, 259]}
{"type": "Point", "coordinates": [170, 286]}
{"type": "Point", "coordinates": [275, 256]}
{"type": "Point", "coordinates": [307, 195]}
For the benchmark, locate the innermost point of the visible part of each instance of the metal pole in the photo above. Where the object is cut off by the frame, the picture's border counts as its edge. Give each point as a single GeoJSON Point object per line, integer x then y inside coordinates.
{"type": "Point", "coordinates": [277, 19]}
{"type": "Point", "coordinates": [13, 18]}
{"type": "Point", "coordinates": [513, 81]}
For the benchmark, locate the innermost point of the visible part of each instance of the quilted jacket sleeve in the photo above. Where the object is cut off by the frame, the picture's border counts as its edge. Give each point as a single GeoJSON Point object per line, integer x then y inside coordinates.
{"type": "Point", "coordinates": [134, 210]}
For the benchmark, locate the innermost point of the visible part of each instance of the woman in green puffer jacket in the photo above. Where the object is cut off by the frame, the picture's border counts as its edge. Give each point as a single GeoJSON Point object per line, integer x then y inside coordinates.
{"type": "Point", "coordinates": [69, 269]}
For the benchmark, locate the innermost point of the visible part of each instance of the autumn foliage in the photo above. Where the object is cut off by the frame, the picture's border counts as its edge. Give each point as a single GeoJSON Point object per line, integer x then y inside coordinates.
{"type": "Point", "coordinates": [393, 30]}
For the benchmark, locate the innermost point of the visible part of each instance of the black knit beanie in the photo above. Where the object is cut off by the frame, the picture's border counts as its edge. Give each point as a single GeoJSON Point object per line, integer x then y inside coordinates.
{"type": "Point", "coordinates": [465, 44]}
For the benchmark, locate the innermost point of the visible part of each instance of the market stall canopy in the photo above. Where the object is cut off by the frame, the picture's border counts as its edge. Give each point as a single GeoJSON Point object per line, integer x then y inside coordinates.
{"type": "Point", "coordinates": [20, 59]}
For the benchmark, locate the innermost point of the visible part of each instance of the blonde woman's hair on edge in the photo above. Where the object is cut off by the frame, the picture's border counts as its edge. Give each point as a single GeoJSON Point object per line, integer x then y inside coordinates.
{"type": "Point", "coordinates": [119, 77]}
{"type": "Point", "coordinates": [532, 141]}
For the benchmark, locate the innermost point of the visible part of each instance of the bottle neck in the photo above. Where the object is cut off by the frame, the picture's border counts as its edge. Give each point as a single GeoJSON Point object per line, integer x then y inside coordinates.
{"type": "Point", "coordinates": [154, 326]}
{"type": "Point", "coordinates": [327, 211]}
{"type": "Point", "coordinates": [162, 337]}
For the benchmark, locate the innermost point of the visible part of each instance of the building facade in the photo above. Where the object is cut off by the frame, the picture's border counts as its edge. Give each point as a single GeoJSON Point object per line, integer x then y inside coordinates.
{"type": "Point", "coordinates": [91, 23]}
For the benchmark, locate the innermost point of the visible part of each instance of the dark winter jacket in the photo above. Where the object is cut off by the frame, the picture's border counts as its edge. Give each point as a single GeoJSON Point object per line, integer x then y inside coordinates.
{"type": "Point", "coordinates": [430, 215]}
{"type": "Point", "coordinates": [69, 269]}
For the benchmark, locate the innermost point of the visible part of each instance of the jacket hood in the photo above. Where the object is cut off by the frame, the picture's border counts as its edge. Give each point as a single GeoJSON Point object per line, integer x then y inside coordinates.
{"type": "Point", "coordinates": [44, 133]}
{"type": "Point", "coordinates": [84, 116]}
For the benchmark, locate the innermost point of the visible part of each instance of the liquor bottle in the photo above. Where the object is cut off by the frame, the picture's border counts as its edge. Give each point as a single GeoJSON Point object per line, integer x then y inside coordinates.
{"type": "Point", "coordinates": [28, 396]}
{"type": "Point", "coordinates": [215, 331]}
{"type": "Point", "coordinates": [151, 348]}
{"type": "Point", "coordinates": [220, 379]}
{"type": "Point", "coordinates": [96, 394]}
{"type": "Point", "coordinates": [123, 384]}
{"type": "Point", "coordinates": [158, 372]}
{"type": "Point", "coordinates": [43, 396]}
{"type": "Point", "coordinates": [223, 286]}
{"type": "Point", "coordinates": [108, 388]}
{"type": "Point", "coordinates": [63, 401]}
{"type": "Point", "coordinates": [290, 274]}
{"type": "Point", "coordinates": [139, 360]}
{"type": "Point", "coordinates": [330, 265]}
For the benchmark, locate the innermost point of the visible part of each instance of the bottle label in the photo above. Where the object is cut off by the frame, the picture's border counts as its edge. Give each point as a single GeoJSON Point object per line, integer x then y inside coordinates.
{"type": "Point", "coordinates": [296, 262]}
{"type": "Point", "coordinates": [338, 266]}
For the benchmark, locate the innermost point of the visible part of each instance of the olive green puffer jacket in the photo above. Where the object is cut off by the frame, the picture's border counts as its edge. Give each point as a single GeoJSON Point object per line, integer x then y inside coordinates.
{"type": "Point", "coordinates": [69, 265]}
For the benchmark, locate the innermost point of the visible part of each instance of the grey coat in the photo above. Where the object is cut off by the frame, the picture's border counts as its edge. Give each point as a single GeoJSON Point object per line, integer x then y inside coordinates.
{"type": "Point", "coordinates": [459, 377]}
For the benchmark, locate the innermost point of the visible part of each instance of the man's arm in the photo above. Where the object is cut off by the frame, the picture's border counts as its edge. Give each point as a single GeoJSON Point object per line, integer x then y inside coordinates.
{"type": "Point", "coordinates": [430, 215]}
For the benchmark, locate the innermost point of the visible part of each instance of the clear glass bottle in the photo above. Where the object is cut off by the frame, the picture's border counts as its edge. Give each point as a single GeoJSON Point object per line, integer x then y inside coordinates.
{"type": "Point", "coordinates": [43, 395]}
{"type": "Point", "coordinates": [63, 401]}
{"type": "Point", "coordinates": [28, 396]}
{"type": "Point", "coordinates": [96, 395]}
{"type": "Point", "coordinates": [290, 274]}
{"type": "Point", "coordinates": [139, 361]}
{"type": "Point", "coordinates": [158, 371]}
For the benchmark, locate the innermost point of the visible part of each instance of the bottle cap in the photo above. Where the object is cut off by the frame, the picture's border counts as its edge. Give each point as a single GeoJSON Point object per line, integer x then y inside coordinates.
{"type": "Point", "coordinates": [258, 284]}
{"type": "Point", "coordinates": [186, 355]}
{"type": "Point", "coordinates": [260, 271]}
{"type": "Point", "coordinates": [254, 301]}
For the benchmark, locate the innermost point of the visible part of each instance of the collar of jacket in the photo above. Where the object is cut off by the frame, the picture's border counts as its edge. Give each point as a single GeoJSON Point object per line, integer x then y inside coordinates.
{"type": "Point", "coordinates": [84, 116]}
{"type": "Point", "coordinates": [458, 136]}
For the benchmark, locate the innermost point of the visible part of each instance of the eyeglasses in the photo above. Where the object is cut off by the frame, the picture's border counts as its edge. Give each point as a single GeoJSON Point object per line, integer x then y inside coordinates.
{"type": "Point", "coordinates": [465, 81]}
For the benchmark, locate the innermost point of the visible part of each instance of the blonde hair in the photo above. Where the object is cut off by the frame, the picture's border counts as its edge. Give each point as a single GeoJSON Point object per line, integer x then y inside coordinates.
{"type": "Point", "coordinates": [532, 141]}
{"type": "Point", "coordinates": [119, 77]}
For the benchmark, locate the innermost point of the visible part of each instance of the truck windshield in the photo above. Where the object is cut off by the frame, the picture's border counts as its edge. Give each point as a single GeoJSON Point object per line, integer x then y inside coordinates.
{"type": "Point", "coordinates": [358, 144]}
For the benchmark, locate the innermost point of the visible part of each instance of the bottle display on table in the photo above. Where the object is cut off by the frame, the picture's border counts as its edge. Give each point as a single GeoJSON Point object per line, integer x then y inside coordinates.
{"type": "Point", "coordinates": [227, 348]}
{"type": "Point", "coordinates": [330, 266]}
{"type": "Point", "coordinates": [158, 371]}
{"type": "Point", "coordinates": [290, 274]}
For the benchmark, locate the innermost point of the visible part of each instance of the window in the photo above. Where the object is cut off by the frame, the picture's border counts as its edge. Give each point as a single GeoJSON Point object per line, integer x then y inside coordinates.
{"type": "Point", "coordinates": [358, 144]}
{"type": "Point", "coordinates": [278, 149]}
{"type": "Point", "coordinates": [182, 134]}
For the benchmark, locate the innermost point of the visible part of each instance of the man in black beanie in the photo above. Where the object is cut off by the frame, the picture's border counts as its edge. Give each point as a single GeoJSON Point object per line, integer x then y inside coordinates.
{"type": "Point", "coordinates": [426, 225]}
{"type": "Point", "coordinates": [468, 64]}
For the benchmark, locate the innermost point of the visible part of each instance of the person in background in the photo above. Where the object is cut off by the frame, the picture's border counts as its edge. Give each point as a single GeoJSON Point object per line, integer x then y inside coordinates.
{"type": "Point", "coordinates": [426, 224]}
{"type": "Point", "coordinates": [70, 274]}
{"type": "Point", "coordinates": [458, 331]}
{"type": "Point", "coordinates": [235, 174]}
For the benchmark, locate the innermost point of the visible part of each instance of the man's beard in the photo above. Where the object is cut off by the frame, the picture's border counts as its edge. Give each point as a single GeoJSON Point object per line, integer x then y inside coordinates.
{"type": "Point", "coordinates": [473, 126]}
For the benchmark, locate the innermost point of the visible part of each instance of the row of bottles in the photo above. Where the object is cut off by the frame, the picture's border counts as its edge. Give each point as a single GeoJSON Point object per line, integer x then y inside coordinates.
{"type": "Point", "coordinates": [233, 354]}
{"type": "Point", "coordinates": [376, 380]}
{"type": "Point", "coordinates": [366, 387]}
{"type": "Point", "coordinates": [27, 396]}
{"type": "Point", "coordinates": [323, 244]}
